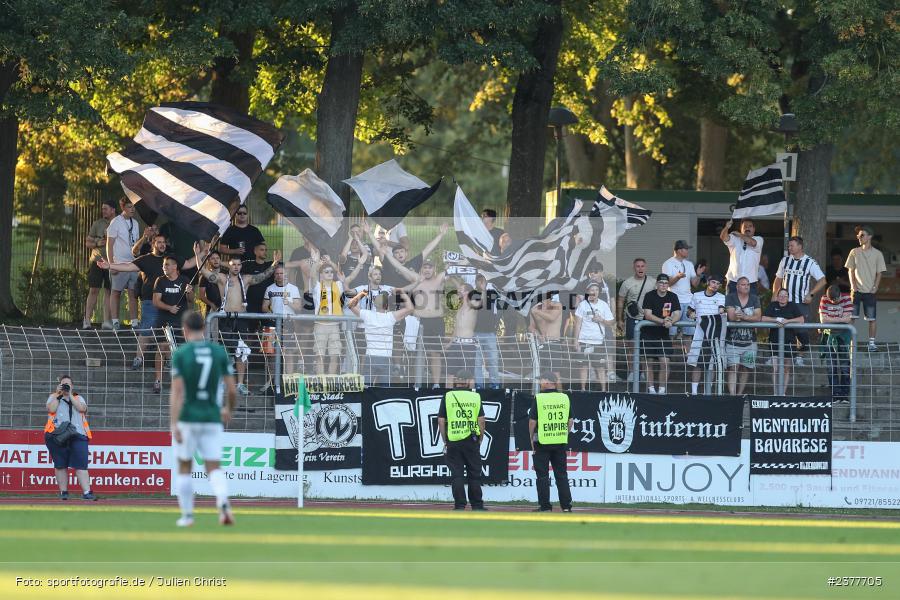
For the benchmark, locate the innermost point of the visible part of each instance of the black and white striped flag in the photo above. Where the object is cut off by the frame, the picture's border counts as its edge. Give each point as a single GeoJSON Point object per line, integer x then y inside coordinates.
{"type": "Point", "coordinates": [556, 259]}
{"type": "Point", "coordinates": [762, 194]}
{"type": "Point", "coordinates": [311, 206]}
{"type": "Point", "coordinates": [388, 192]}
{"type": "Point", "coordinates": [195, 163]}
{"type": "Point", "coordinates": [635, 215]}
{"type": "Point", "coordinates": [618, 216]}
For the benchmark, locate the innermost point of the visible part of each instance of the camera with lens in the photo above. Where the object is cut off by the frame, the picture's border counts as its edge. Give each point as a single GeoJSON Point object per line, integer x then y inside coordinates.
{"type": "Point", "coordinates": [65, 387]}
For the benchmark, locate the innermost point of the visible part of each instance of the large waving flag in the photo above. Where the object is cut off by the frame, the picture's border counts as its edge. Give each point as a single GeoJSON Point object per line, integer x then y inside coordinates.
{"type": "Point", "coordinates": [388, 192]}
{"type": "Point", "coordinates": [556, 259]}
{"type": "Point", "coordinates": [311, 206]}
{"type": "Point", "coordinates": [195, 163]}
{"type": "Point", "coordinates": [762, 194]}
{"type": "Point", "coordinates": [618, 216]}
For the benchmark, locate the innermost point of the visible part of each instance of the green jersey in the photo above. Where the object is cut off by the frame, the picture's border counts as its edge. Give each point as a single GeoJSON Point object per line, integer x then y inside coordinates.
{"type": "Point", "coordinates": [202, 367]}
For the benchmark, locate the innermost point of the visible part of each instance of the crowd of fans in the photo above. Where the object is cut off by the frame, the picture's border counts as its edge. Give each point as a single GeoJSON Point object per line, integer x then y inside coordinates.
{"type": "Point", "coordinates": [402, 299]}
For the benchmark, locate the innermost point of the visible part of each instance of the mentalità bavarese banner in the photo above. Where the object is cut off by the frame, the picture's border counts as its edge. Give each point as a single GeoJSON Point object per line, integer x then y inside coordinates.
{"type": "Point", "coordinates": [332, 438]}
{"type": "Point", "coordinates": [790, 436]}
{"type": "Point", "coordinates": [646, 424]}
{"type": "Point", "coordinates": [402, 443]}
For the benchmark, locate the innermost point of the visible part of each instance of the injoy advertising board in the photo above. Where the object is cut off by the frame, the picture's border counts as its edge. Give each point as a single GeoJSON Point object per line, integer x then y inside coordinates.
{"type": "Point", "coordinates": [722, 480]}
{"type": "Point", "coordinates": [119, 462]}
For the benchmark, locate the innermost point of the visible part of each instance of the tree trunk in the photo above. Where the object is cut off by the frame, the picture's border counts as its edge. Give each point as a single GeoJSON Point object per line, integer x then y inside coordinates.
{"type": "Point", "coordinates": [9, 134]}
{"type": "Point", "coordinates": [587, 161]}
{"type": "Point", "coordinates": [531, 105]}
{"type": "Point", "coordinates": [811, 205]}
{"type": "Point", "coordinates": [230, 87]}
{"type": "Point", "coordinates": [713, 143]}
{"type": "Point", "coordinates": [640, 168]}
{"type": "Point", "coordinates": [338, 104]}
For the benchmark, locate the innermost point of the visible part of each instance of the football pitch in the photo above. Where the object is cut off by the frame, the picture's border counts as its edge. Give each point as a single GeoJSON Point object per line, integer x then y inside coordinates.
{"type": "Point", "coordinates": [123, 551]}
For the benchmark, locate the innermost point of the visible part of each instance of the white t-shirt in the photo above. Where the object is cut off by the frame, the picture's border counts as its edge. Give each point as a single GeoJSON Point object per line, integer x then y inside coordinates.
{"type": "Point", "coordinates": [744, 258]}
{"type": "Point", "coordinates": [682, 287]}
{"type": "Point", "coordinates": [276, 296]}
{"type": "Point", "coordinates": [379, 328]}
{"type": "Point", "coordinates": [123, 233]}
{"type": "Point", "coordinates": [591, 332]}
{"type": "Point", "coordinates": [706, 306]}
{"type": "Point", "coordinates": [317, 297]}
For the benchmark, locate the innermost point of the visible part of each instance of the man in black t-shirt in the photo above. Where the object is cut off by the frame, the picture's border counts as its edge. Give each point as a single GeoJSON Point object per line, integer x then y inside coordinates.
{"type": "Point", "coordinates": [172, 294]}
{"type": "Point", "coordinates": [837, 272]}
{"type": "Point", "coordinates": [209, 292]}
{"type": "Point", "coordinates": [241, 238]}
{"type": "Point", "coordinates": [781, 311]}
{"type": "Point", "coordinates": [150, 266]}
{"type": "Point", "coordinates": [663, 308]}
{"type": "Point", "coordinates": [259, 264]}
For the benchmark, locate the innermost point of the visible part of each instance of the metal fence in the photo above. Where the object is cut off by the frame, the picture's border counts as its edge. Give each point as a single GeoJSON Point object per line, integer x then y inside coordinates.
{"type": "Point", "coordinates": [121, 397]}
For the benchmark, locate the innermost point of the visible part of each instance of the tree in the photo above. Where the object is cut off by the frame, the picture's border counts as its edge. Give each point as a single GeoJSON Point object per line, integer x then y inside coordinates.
{"type": "Point", "coordinates": [831, 62]}
{"type": "Point", "coordinates": [530, 107]}
{"type": "Point", "coordinates": [48, 50]}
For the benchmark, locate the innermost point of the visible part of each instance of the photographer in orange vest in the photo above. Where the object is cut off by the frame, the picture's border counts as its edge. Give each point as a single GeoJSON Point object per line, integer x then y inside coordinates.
{"type": "Point", "coordinates": [66, 435]}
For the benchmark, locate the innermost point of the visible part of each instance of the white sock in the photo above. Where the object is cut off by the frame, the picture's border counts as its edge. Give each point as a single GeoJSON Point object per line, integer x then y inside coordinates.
{"type": "Point", "coordinates": [219, 484]}
{"type": "Point", "coordinates": [184, 488]}
{"type": "Point", "coordinates": [694, 387]}
{"type": "Point", "coordinates": [662, 390]}
{"type": "Point", "coordinates": [651, 389]}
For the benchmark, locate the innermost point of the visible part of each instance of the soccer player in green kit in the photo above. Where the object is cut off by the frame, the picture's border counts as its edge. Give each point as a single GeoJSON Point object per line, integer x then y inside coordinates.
{"type": "Point", "coordinates": [201, 375]}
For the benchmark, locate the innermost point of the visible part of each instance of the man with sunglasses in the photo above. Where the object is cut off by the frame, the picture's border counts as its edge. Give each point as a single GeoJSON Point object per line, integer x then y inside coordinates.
{"type": "Point", "coordinates": [241, 238]}
{"type": "Point", "coordinates": [745, 250]}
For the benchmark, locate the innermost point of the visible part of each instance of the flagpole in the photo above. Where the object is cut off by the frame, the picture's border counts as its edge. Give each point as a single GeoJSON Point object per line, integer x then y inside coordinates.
{"type": "Point", "coordinates": [787, 220]}
{"type": "Point", "coordinates": [300, 459]}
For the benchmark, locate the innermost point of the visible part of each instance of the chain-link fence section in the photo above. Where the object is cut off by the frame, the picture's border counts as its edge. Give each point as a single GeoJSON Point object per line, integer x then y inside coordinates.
{"type": "Point", "coordinates": [122, 397]}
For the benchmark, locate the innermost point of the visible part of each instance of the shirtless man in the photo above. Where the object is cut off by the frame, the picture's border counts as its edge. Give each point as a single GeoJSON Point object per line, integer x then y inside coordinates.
{"type": "Point", "coordinates": [461, 351]}
{"type": "Point", "coordinates": [547, 320]}
{"type": "Point", "coordinates": [233, 291]}
{"type": "Point", "coordinates": [427, 295]}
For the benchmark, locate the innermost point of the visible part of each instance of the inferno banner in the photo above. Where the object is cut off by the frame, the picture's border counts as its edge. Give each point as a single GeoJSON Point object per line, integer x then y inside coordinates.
{"type": "Point", "coordinates": [646, 424]}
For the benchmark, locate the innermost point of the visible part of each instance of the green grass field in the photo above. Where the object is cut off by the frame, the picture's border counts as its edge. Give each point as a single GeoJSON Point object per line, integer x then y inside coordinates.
{"type": "Point", "coordinates": [420, 553]}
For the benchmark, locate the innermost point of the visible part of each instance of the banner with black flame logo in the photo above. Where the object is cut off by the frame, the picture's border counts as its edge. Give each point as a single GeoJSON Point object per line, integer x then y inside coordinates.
{"type": "Point", "coordinates": [332, 437]}
{"type": "Point", "coordinates": [645, 424]}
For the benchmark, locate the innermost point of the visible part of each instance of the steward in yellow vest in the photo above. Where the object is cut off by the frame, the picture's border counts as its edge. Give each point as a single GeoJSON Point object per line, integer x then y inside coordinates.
{"type": "Point", "coordinates": [549, 423]}
{"type": "Point", "coordinates": [461, 422]}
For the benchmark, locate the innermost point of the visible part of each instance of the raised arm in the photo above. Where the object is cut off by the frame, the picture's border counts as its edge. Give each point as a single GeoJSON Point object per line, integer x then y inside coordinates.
{"type": "Point", "coordinates": [429, 248]}
{"type": "Point", "coordinates": [353, 304]}
{"type": "Point", "coordinates": [406, 309]}
{"type": "Point", "coordinates": [260, 277]}
{"type": "Point", "coordinates": [726, 231]}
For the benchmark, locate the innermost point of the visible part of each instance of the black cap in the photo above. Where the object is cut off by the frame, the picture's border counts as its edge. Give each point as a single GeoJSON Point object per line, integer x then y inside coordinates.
{"type": "Point", "coordinates": [682, 244]}
{"type": "Point", "coordinates": [662, 277]}
{"type": "Point", "coordinates": [714, 277]}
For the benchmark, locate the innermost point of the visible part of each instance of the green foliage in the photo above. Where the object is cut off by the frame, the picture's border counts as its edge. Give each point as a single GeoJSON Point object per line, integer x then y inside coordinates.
{"type": "Point", "coordinates": [53, 294]}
